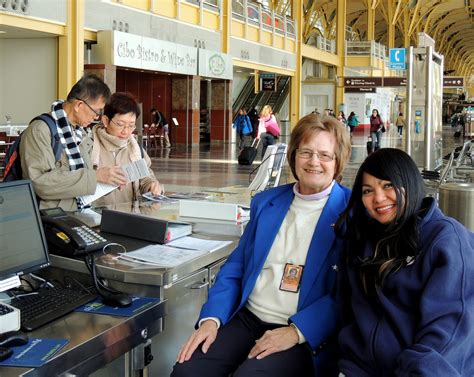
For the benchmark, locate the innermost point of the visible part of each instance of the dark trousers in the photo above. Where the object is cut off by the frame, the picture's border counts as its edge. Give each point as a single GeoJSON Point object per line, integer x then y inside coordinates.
{"type": "Point", "coordinates": [267, 139]}
{"type": "Point", "coordinates": [228, 354]}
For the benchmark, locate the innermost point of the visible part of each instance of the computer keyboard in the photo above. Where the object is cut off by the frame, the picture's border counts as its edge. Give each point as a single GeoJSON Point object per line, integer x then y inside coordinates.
{"type": "Point", "coordinates": [49, 304]}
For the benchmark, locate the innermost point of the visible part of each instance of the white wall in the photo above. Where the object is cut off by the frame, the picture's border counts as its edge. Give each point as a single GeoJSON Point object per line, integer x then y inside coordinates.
{"type": "Point", "coordinates": [238, 82]}
{"type": "Point", "coordinates": [363, 104]}
{"type": "Point", "coordinates": [320, 96]}
{"type": "Point", "coordinates": [28, 78]}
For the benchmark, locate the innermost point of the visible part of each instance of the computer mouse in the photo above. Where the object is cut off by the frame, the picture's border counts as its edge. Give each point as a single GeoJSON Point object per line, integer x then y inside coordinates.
{"type": "Point", "coordinates": [117, 300]}
{"type": "Point", "coordinates": [13, 339]}
{"type": "Point", "coordinates": [5, 353]}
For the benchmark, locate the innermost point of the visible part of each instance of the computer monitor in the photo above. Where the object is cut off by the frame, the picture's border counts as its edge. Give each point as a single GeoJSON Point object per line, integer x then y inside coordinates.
{"type": "Point", "coordinates": [23, 247]}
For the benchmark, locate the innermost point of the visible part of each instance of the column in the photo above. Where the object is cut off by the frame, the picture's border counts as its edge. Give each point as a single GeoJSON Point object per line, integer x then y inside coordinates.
{"type": "Point", "coordinates": [221, 113]}
{"type": "Point", "coordinates": [71, 48]}
{"type": "Point", "coordinates": [106, 72]}
{"type": "Point", "coordinates": [185, 108]}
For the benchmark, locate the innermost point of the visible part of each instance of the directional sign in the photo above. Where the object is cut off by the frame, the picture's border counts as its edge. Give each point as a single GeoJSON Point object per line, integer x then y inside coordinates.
{"type": "Point", "coordinates": [453, 82]}
{"type": "Point", "coordinates": [397, 58]}
{"type": "Point", "coordinates": [359, 90]}
{"type": "Point", "coordinates": [394, 81]}
{"type": "Point", "coordinates": [361, 82]}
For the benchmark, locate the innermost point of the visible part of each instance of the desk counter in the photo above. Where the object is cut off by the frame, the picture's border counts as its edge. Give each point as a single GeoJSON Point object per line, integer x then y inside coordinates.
{"type": "Point", "coordinates": [94, 341]}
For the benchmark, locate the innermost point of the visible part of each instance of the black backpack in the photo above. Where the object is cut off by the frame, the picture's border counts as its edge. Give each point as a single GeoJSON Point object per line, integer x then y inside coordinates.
{"type": "Point", "coordinates": [12, 167]}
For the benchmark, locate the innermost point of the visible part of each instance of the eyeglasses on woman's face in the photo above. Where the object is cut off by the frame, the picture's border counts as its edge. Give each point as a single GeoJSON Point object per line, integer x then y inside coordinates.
{"type": "Point", "coordinates": [307, 154]}
{"type": "Point", "coordinates": [123, 126]}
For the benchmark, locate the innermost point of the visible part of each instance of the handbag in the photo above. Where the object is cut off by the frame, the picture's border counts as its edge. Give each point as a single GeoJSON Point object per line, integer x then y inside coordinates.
{"type": "Point", "coordinates": [272, 127]}
{"type": "Point", "coordinates": [383, 128]}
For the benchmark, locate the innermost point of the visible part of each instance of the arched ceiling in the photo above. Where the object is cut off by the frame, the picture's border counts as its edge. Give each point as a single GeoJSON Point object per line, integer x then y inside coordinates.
{"type": "Point", "coordinates": [449, 22]}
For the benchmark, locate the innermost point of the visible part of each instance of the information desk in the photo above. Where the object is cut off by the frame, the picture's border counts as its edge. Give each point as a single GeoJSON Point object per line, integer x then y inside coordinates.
{"type": "Point", "coordinates": [94, 341]}
{"type": "Point", "coordinates": [184, 287]}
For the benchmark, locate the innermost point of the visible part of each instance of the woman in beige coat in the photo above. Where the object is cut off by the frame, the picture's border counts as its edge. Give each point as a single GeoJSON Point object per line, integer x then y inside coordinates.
{"type": "Point", "coordinates": [115, 145]}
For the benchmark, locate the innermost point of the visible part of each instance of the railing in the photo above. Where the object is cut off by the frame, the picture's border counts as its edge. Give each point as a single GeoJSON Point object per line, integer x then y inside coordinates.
{"type": "Point", "coordinates": [263, 18]}
{"type": "Point", "coordinates": [366, 48]}
{"type": "Point", "coordinates": [326, 44]}
{"type": "Point", "coordinates": [208, 4]}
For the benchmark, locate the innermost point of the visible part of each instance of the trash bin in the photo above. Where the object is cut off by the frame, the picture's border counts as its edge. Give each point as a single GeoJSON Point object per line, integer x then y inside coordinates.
{"type": "Point", "coordinates": [457, 200]}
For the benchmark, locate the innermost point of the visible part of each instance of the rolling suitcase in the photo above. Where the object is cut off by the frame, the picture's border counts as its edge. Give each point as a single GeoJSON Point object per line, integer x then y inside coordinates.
{"type": "Point", "coordinates": [369, 146]}
{"type": "Point", "coordinates": [248, 154]}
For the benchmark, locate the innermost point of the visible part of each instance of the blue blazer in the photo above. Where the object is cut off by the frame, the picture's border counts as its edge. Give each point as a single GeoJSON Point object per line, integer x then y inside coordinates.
{"type": "Point", "coordinates": [316, 315]}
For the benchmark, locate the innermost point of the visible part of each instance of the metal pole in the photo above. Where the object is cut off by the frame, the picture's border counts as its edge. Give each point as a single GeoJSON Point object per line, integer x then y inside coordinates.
{"type": "Point", "coordinates": [187, 110]}
{"type": "Point", "coordinates": [428, 127]}
{"type": "Point", "coordinates": [409, 95]}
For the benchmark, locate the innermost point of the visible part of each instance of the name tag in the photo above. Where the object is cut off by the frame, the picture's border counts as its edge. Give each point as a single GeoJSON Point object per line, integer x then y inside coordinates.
{"type": "Point", "coordinates": [291, 279]}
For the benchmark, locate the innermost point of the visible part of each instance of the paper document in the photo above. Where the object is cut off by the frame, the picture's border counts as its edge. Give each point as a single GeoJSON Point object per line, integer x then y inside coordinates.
{"type": "Point", "coordinates": [189, 195]}
{"type": "Point", "coordinates": [198, 244]}
{"type": "Point", "coordinates": [133, 171]}
{"type": "Point", "coordinates": [158, 198]}
{"type": "Point", "coordinates": [161, 255]}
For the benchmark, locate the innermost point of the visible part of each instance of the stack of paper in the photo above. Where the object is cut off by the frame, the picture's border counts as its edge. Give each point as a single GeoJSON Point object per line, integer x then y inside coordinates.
{"type": "Point", "coordinates": [161, 255]}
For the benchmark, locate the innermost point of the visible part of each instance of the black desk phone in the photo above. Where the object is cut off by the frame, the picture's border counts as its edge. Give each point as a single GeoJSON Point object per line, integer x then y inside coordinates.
{"type": "Point", "coordinates": [69, 236]}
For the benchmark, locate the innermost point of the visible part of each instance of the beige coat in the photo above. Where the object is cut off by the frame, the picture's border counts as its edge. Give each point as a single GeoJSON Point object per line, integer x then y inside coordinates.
{"type": "Point", "coordinates": [400, 121]}
{"type": "Point", "coordinates": [130, 192]}
{"type": "Point", "coordinates": [54, 183]}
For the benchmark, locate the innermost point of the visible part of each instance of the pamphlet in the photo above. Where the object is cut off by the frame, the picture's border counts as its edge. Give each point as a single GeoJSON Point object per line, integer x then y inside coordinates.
{"type": "Point", "coordinates": [133, 171]}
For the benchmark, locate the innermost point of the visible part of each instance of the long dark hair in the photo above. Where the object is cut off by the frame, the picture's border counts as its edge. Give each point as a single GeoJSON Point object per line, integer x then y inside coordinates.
{"type": "Point", "coordinates": [395, 243]}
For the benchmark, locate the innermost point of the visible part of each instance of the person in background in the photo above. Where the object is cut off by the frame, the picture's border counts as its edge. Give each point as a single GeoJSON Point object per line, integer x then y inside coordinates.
{"type": "Point", "coordinates": [267, 119]}
{"type": "Point", "coordinates": [253, 115]}
{"type": "Point", "coordinates": [159, 121]}
{"type": "Point", "coordinates": [352, 121]}
{"type": "Point", "coordinates": [115, 144]}
{"type": "Point", "coordinates": [406, 286]}
{"type": "Point", "coordinates": [341, 117]}
{"type": "Point", "coordinates": [243, 127]}
{"type": "Point", "coordinates": [400, 122]}
{"type": "Point", "coordinates": [62, 183]}
{"type": "Point", "coordinates": [376, 129]}
{"type": "Point", "coordinates": [259, 321]}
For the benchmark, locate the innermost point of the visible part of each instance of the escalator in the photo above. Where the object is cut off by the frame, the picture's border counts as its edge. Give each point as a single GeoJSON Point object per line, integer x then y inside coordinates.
{"type": "Point", "coordinates": [248, 99]}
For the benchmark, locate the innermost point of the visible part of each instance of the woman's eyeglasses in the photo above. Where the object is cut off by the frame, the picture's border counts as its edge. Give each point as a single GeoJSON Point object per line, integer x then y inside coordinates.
{"type": "Point", "coordinates": [123, 126]}
{"type": "Point", "coordinates": [308, 154]}
{"type": "Point", "coordinates": [98, 113]}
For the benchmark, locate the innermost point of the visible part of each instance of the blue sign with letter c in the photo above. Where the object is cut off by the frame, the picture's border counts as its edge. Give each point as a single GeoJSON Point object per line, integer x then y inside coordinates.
{"type": "Point", "coordinates": [397, 58]}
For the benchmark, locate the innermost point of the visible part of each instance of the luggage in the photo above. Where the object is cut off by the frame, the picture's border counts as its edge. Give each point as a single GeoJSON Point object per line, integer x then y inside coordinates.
{"type": "Point", "coordinates": [369, 147]}
{"type": "Point", "coordinates": [248, 154]}
{"type": "Point", "coordinates": [457, 134]}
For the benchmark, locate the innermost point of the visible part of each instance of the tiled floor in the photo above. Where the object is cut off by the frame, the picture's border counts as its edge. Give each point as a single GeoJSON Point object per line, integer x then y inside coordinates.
{"type": "Point", "coordinates": [215, 165]}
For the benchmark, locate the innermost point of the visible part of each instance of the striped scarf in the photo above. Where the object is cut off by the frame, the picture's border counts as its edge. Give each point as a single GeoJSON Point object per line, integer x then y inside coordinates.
{"type": "Point", "coordinates": [70, 138]}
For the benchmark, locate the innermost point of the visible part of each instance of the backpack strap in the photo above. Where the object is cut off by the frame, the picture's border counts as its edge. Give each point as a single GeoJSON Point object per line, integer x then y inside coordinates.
{"type": "Point", "coordinates": [55, 139]}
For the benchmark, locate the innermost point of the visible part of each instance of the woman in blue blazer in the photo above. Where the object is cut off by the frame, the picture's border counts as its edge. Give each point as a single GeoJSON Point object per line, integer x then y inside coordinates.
{"type": "Point", "coordinates": [272, 310]}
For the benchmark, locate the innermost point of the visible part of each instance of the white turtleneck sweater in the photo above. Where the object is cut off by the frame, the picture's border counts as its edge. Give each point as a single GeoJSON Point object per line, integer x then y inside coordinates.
{"type": "Point", "coordinates": [291, 245]}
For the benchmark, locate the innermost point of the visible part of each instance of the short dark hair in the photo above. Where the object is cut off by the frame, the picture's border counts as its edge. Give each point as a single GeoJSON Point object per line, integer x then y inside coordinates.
{"type": "Point", "coordinates": [121, 103]}
{"type": "Point", "coordinates": [312, 124]}
{"type": "Point", "coordinates": [89, 87]}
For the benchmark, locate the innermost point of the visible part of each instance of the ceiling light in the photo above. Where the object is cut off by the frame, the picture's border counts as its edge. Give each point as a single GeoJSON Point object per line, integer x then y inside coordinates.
{"type": "Point", "coordinates": [2, 32]}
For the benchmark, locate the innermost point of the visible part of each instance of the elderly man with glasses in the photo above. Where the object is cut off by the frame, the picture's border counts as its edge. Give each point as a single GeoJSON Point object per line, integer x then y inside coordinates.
{"type": "Point", "coordinates": [62, 183]}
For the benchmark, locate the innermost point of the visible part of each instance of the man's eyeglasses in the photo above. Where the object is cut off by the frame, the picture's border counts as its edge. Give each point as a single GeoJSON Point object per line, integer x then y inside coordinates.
{"type": "Point", "coordinates": [122, 126]}
{"type": "Point", "coordinates": [98, 113]}
{"type": "Point", "coordinates": [308, 154]}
